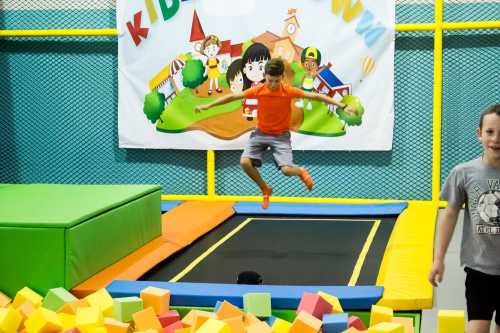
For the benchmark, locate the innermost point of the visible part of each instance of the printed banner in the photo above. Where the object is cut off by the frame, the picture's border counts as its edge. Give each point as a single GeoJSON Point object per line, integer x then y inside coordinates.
{"type": "Point", "coordinates": [174, 55]}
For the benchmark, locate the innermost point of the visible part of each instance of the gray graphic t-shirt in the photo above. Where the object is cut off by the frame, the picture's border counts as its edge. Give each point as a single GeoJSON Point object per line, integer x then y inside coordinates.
{"type": "Point", "coordinates": [478, 186]}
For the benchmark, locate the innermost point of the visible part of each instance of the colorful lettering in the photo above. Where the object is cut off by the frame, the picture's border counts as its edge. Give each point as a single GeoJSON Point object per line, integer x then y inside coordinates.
{"type": "Point", "coordinates": [371, 32]}
{"type": "Point", "coordinates": [136, 31]}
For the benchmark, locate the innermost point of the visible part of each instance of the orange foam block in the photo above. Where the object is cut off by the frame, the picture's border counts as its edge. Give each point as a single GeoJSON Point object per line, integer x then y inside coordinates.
{"type": "Point", "coordinates": [115, 326]}
{"type": "Point", "coordinates": [195, 318]}
{"type": "Point", "coordinates": [146, 319]}
{"type": "Point", "coordinates": [157, 298]}
{"type": "Point", "coordinates": [406, 322]}
{"type": "Point", "coordinates": [305, 323]}
{"type": "Point", "coordinates": [260, 327]}
{"type": "Point", "coordinates": [26, 309]}
{"type": "Point", "coordinates": [4, 300]}
{"type": "Point", "coordinates": [227, 310]}
{"type": "Point", "coordinates": [236, 324]}
{"type": "Point", "coordinates": [314, 304]}
{"type": "Point", "coordinates": [26, 294]}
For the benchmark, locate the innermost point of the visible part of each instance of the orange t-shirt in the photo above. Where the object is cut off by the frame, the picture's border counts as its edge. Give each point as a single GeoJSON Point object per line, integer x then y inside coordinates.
{"type": "Point", "coordinates": [274, 107]}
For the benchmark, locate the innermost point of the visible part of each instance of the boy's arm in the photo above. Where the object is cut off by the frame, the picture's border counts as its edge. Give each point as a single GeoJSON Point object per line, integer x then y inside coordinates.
{"type": "Point", "coordinates": [219, 101]}
{"type": "Point", "coordinates": [445, 232]}
{"type": "Point", "coordinates": [329, 100]}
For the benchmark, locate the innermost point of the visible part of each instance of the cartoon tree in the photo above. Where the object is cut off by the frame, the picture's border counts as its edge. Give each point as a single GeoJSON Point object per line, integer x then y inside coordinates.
{"type": "Point", "coordinates": [154, 104]}
{"type": "Point", "coordinates": [192, 73]}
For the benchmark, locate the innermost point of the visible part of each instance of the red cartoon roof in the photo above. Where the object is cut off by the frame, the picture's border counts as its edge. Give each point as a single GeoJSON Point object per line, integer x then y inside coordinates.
{"type": "Point", "coordinates": [236, 50]}
{"type": "Point", "coordinates": [225, 47]}
{"type": "Point", "coordinates": [196, 29]}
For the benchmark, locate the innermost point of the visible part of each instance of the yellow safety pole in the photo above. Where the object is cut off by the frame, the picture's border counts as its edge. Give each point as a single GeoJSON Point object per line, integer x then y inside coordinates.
{"type": "Point", "coordinates": [471, 25]}
{"type": "Point", "coordinates": [59, 33]}
{"type": "Point", "coordinates": [415, 27]}
{"type": "Point", "coordinates": [437, 100]}
{"type": "Point", "coordinates": [211, 174]}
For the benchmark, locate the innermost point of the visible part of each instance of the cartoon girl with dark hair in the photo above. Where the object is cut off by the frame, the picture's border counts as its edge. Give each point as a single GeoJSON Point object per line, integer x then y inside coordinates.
{"type": "Point", "coordinates": [210, 47]}
{"type": "Point", "coordinates": [253, 62]}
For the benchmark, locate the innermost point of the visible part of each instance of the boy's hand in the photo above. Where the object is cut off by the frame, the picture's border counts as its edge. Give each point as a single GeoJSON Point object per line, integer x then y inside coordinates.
{"type": "Point", "coordinates": [436, 273]}
{"type": "Point", "coordinates": [350, 109]}
{"type": "Point", "coordinates": [200, 108]}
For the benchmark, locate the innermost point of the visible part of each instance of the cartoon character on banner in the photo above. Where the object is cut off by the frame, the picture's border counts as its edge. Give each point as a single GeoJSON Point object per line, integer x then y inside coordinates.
{"type": "Point", "coordinates": [210, 48]}
{"type": "Point", "coordinates": [311, 60]}
{"type": "Point", "coordinates": [253, 62]}
{"type": "Point", "coordinates": [234, 76]}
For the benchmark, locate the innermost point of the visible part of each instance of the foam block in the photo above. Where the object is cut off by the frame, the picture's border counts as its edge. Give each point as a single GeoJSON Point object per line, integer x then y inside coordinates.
{"type": "Point", "coordinates": [212, 325]}
{"type": "Point", "coordinates": [146, 319]}
{"type": "Point", "coordinates": [183, 330]}
{"type": "Point", "coordinates": [157, 298]}
{"type": "Point", "coordinates": [195, 317]}
{"type": "Point", "coordinates": [258, 304]}
{"type": "Point", "coordinates": [56, 298]}
{"type": "Point", "coordinates": [227, 310]}
{"type": "Point", "coordinates": [236, 324]}
{"type": "Point", "coordinates": [406, 322]}
{"type": "Point", "coordinates": [281, 326]}
{"type": "Point", "coordinates": [353, 330]}
{"type": "Point", "coordinates": [4, 300]}
{"type": "Point", "coordinates": [124, 307]}
{"type": "Point", "coordinates": [172, 327]}
{"type": "Point", "coordinates": [10, 320]}
{"type": "Point", "coordinates": [102, 299]}
{"type": "Point", "coordinates": [451, 321]}
{"type": "Point", "coordinates": [26, 294]}
{"type": "Point", "coordinates": [333, 300]}
{"type": "Point", "coordinates": [26, 309]}
{"type": "Point", "coordinates": [68, 321]}
{"type": "Point", "coordinates": [73, 306]}
{"type": "Point", "coordinates": [73, 330]}
{"type": "Point", "coordinates": [168, 318]}
{"type": "Point", "coordinates": [43, 321]}
{"type": "Point", "coordinates": [314, 304]}
{"type": "Point", "coordinates": [335, 322]}
{"type": "Point", "coordinates": [89, 317]}
{"type": "Point", "coordinates": [386, 327]}
{"type": "Point", "coordinates": [305, 323]}
{"type": "Point", "coordinates": [250, 319]}
{"type": "Point", "coordinates": [380, 314]}
{"type": "Point", "coordinates": [260, 327]}
{"type": "Point", "coordinates": [114, 326]}
{"type": "Point", "coordinates": [356, 322]}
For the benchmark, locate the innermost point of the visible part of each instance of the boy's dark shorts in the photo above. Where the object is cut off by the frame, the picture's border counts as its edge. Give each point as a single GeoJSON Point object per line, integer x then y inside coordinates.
{"type": "Point", "coordinates": [280, 146]}
{"type": "Point", "coordinates": [482, 292]}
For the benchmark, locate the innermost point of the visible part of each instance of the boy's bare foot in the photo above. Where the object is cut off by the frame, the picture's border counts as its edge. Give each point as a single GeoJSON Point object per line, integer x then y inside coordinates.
{"type": "Point", "coordinates": [306, 179]}
{"type": "Point", "coordinates": [266, 194]}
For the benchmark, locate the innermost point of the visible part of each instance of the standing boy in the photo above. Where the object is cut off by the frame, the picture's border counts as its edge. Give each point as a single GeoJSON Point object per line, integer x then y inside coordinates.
{"type": "Point", "coordinates": [477, 185]}
{"type": "Point", "coordinates": [273, 126]}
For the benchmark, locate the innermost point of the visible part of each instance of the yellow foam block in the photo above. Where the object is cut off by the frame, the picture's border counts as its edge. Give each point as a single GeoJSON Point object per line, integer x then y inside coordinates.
{"type": "Point", "coordinates": [103, 300]}
{"type": "Point", "coordinates": [43, 321]}
{"type": "Point", "coordinates": [146, 319]}
{"type": "Point", "coordinates": [281, 326]}
{"type": "Point", "coordinates": [157, 298]}
{"type": "Point", "coordinates": [227, 310]}
{"type": "Point", "coordinates": [183, 330]}
{"type": "Point", "coordinates": [250, 319]}
{"type": "Point", "coordinates": [196, 317]}
{"type": "Point", "coordinates": [68, 321]}
{"type": "Point", "coordinates": [88, 317]}
{"type": "Point", "coordinates": [305, 323]}
{"type": "Point", "coordinates": [10, 320]}
{"type": "Point", "coordinates": [73, 306]}
{"type": "Point", "coordinates": [25, 309]}
{"type": "Point", "coordinates": [26, 294]}
{"type": "Point", "coordinates": [236, 324]}
{"type": "Point", "coordinates": [353, 330]}
{"type": "Point", "coordinates": [333, 300]}
{"type": "Point", "coordinates": [4, 300]}
{"type": "Point", "coordinates": [97, 329]}
{"type": "Point", "coordinates": [386, 328]}
{"type": "Point", "coordinates": [260, 327]}
{"type": "Point", "coordinates": [116, 326]}
{"type": "Point", "coordinates": [149, 330]}
{"type": "Point", "coordinates": [406, 322]}
{"type": "Point", "coordinates": [212, 325]}
{"type": "Point", "coordinates": [451, 321]}
{"type": "Point", "coordinates": [380, 314]}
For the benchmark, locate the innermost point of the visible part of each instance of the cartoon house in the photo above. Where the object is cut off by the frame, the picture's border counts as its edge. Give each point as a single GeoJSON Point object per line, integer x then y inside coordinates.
{"type": "Point", "coordinates": [327, 83]}
{"type": "Point", "coordinates": [197, 34]}
{"type": "Point", "coordinates": [228, 53]}
{"type": "Point", "coordinates": [169, 80]}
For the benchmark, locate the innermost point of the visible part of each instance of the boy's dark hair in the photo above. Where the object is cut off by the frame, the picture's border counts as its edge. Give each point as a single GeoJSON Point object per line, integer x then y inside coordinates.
{"type": "Point", "coordinates": [233, 70]}
{"type": "Point", "coordinates": [495, 108]}
{"type": "Point", "coordinates": [275, 67]}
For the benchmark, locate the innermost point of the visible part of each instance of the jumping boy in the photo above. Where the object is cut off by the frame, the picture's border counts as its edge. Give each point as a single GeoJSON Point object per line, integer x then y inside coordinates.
{"type": "Point", "coordinates": [477, 185]}
{"type": "Point", "coordinates": [273, 125]}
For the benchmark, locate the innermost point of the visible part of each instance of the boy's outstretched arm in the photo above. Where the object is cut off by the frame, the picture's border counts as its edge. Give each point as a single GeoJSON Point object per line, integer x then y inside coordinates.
{"type": "Point", "coordinates": [219, 101]}
{"type": "Point", "coordinates": [445, 232]}
{"type": "Point", "coordinates": [329, 100]}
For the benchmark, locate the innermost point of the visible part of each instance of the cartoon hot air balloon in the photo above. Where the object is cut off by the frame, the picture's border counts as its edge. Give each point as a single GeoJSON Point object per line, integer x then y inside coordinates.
{"type": "Point", "coordinates": [367, 65]}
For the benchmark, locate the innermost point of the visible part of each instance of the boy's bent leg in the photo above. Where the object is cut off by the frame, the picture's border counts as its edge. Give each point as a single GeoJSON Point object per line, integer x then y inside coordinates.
{"type": "Point", "coordinates": [301, 172]}
{"type": "Point", "coordinates": [479, 326]}
{"type": "Point", "coordinates": [254, 174]}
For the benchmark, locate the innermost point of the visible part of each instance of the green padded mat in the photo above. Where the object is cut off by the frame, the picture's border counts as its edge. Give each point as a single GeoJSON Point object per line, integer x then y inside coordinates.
{"type": "Point", "coordinates": [54, 235]}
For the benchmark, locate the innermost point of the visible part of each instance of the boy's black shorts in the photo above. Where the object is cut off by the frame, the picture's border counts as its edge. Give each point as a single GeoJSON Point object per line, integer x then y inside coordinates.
{"type": "Point", "coordinates": [482, 292]}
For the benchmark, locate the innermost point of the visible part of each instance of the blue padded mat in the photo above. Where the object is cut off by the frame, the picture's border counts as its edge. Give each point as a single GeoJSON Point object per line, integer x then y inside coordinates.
{"type": "Point", "coordinates": [168, 205]}
{"type": "Point", "coordinates": [281, 208]}
{"type": "Point", "coordinates": [282, 297]}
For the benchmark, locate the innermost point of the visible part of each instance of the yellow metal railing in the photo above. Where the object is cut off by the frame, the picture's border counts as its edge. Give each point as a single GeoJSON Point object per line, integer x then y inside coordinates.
{"type": "Point", "coordinates": [438, 26]}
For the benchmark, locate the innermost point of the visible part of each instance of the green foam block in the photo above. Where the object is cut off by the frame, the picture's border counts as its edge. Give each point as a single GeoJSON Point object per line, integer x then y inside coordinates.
{"type": "Point", "coordinates": [258, 304]}
{"type": "Point", "coordinates": [56, 298]}
{"type": "Point", "coordinates": [125, 307]}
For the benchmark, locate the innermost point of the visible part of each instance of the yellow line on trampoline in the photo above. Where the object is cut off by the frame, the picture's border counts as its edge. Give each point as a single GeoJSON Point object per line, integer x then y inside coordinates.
{"type": "Point", "coordinates": [364, 252]}
{"type": "Point", "coordinates": [210, 250]}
